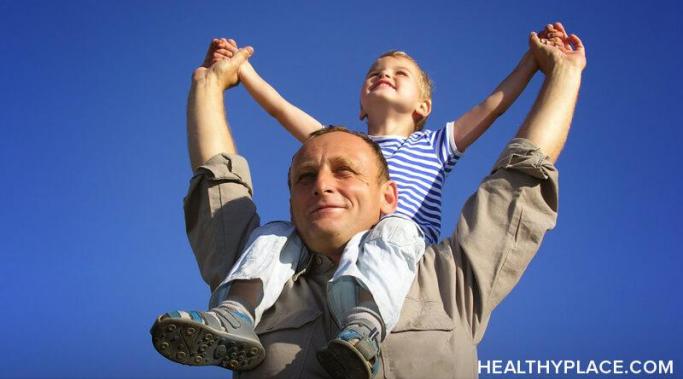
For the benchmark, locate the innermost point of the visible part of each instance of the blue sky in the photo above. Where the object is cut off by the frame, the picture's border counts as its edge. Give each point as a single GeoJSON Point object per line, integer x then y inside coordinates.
{"type": "Point", "coordinates": [95, 165]}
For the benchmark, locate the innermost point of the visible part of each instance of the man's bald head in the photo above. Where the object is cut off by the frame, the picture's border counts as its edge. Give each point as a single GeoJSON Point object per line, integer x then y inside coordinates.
{"type": "Point", "coordinates": [339, 186]}
{"type": "Point", "coordinates": [381, 161]}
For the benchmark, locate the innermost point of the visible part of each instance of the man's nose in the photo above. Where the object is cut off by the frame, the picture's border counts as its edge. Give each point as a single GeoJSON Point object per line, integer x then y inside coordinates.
{"type": "Point", "coordinates": [324, 183]}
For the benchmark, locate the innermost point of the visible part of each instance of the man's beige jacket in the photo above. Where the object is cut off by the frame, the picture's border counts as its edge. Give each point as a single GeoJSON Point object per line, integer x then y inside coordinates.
{"type": "Point", "coordinates": [459, 281]}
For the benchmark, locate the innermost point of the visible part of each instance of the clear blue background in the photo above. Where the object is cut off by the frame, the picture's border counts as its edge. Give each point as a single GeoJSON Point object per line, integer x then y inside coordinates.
{"type": "Point", "coordinates": [94, 164]}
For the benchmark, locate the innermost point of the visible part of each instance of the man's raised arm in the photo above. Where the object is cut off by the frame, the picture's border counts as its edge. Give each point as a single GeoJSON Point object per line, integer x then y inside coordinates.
{"type": "Point", "coordinates": [219, 212]}
{"type": "Point", "coordinates": [547, 124]}
{"type": "Point", "coordinates": [208, 133]}
{"type": "Point", "coordinates": [503, 224]}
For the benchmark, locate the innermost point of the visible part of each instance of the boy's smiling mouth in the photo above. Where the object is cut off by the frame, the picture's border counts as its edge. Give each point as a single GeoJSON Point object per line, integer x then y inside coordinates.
{"type": "Point", "coordinates": [382, 83]}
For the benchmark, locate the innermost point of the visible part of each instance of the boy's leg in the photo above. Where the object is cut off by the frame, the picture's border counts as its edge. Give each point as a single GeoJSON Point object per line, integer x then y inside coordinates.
{"type": "Point", "coordinates": [273, 253]}
{"type": "Point", "coordinates": [224, 335]}
{"type": "Point", "coordinates": [367, 292]}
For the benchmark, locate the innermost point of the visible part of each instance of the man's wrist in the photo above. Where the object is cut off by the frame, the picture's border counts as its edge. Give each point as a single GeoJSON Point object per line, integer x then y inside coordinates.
{"type": "Point", "coordinates": [207, 80]}
{"type": "Point", "coordinates": [566, 72]}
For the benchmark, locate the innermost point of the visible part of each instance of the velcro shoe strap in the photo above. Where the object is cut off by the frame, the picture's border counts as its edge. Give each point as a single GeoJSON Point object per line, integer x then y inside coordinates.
{"type": "Point", "coordinates": [367, 348]}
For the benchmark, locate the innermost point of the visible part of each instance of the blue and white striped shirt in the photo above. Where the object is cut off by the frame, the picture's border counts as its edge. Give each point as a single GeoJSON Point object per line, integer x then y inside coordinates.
{"type": "Point", "coordinates": [419, 165]}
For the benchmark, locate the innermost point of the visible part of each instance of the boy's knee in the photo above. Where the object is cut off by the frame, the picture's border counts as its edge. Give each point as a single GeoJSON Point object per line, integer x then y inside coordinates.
{"type": "Point", "coordinates": [397, 231]}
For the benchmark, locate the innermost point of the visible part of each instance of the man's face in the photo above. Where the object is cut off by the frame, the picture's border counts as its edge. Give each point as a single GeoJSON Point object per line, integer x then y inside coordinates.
{"type": "Point", "coordinates": [393, 82]}
{"type": "Point", "coordinates": [336, 191]}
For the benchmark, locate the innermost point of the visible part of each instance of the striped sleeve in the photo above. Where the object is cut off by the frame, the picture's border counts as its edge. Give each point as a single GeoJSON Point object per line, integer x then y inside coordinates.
{"type": "Point", "coordinates": [444, 147]}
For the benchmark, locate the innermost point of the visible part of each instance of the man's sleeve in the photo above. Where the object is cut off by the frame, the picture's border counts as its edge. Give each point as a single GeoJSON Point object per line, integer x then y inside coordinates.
{"type": "Point", "coordinates": [501, 228]}
{"type": "Point", "coordinates": [219, 214]}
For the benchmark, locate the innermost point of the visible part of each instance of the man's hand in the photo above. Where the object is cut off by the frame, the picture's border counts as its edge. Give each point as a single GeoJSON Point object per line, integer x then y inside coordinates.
{"type": "Point", "coordinates": [223, 60]}
{"type": "Point", "coordinates": [553, 48]}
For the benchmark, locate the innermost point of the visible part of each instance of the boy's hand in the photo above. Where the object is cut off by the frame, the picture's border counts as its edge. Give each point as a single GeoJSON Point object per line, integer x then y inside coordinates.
{"type": "Point", "coordinates": [553, 48]}
{"type": "Point", "coordinates": [224, 59]}
{"type": "Point", "coordinates": [220, 49]}
{"type": "Point", "coordinates": [555, 35]}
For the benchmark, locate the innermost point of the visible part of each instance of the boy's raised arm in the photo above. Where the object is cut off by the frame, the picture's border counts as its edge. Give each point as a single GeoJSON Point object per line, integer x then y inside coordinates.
{"type": "Point", "coordinates": [477, 120]}
{"type": "Point", "coordinates": [299, 123]}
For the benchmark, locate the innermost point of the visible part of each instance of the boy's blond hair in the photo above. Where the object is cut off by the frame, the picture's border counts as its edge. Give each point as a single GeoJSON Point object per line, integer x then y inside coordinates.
{"type": "Point", "coordinates": [424, 82]}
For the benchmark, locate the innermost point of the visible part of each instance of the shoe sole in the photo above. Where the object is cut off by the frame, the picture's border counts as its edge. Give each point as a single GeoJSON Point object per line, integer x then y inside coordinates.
{"type": "Point", "coordinates": [189, 343]}
{"type": "Point", "coordinates": [342, 361]}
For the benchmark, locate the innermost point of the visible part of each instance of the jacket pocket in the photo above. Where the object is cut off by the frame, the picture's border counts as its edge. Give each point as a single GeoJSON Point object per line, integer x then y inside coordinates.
{"type": "Point", "coordinates": [421, 339]}
{"type": "Point", "coordinates": [276, 321]}
{"type": "Point", "coordinates": [286, 335]}
{"type": "Point", "coordinates": [420, 314]}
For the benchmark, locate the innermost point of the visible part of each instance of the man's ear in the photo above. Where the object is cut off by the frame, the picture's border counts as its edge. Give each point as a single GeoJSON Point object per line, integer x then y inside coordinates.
{"type": "Point", "coordinates": [389, 200]}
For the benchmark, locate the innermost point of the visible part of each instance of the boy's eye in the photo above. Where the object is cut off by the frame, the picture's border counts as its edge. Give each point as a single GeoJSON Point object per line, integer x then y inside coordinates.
{"type": "Point", "coordinates": [402, 73]}
{"type": "Point", "coordinates": [373, 73]}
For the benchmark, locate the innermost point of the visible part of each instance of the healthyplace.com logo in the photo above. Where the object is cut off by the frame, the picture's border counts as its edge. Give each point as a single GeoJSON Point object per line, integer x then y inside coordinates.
{"type": "Point", "coordinates": [576, 367]}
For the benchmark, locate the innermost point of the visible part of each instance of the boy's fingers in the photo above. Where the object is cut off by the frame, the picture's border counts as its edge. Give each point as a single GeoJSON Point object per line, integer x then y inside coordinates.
{"type": "Point", "coordinates": [231, 48]}
{"type": "Point", "coordinates": [243, 54]}
{"type": "Point", "coordinates": [232, 42]}
{"type": "Point", "coordinates": [227, 53]}
{"type": "Point", "coordinates": [534, 40]}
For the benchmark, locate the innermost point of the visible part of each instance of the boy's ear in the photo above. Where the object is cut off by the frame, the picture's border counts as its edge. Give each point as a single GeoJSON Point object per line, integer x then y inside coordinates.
{"type": "Point", "coordinates": [424, 108]}
{"type": "Point", "coordinates": [362, 115]}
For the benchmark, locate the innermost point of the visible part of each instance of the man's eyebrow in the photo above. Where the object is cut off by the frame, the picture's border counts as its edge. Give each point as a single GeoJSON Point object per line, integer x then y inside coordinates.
{"type": "Point", "coordinates": [343, 161]}
{"type": "Point", "coordinates": [305, 165]}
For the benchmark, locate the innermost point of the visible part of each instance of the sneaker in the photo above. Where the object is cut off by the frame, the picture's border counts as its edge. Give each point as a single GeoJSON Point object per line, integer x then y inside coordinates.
{"type": "Point", "coordinates": [354, 354]}
{"type": "Point", "coordinates": [220, 337]}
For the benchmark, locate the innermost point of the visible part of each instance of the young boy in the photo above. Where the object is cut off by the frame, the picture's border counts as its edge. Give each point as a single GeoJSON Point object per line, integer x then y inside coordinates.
{"type": "Point", "coordinates": [377, 267]}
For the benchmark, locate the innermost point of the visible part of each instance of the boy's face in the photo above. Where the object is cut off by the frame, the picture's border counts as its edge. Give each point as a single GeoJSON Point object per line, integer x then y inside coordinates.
{"type": "Point", "coordinates": [393, 83]}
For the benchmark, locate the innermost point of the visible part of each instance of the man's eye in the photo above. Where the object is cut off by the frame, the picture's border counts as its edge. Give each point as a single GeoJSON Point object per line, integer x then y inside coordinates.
{"type": "Point", "coordinates": [305, 177]}
{"type": "Point", "coordinates": [345, 171]}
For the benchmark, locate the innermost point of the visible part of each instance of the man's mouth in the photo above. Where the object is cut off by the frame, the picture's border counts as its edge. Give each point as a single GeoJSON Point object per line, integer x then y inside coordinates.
{"type": "Point", "coordinates": [324, 208]}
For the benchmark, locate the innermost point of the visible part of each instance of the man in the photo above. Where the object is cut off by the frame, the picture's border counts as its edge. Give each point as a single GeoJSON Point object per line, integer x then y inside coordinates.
{"type": "Point", "coordinates": [337, 191]}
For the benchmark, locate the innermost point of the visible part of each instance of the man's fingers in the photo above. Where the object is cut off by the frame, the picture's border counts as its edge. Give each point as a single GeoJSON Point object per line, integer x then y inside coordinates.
{"type": "Point", "coordinates": [217, 57]}
{"type": "Point", "coordinates": [576, 41]}
{"type": "Point", "coordinates": [560, 27]}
